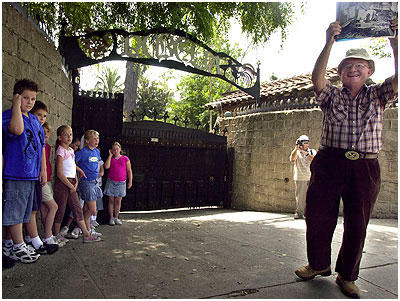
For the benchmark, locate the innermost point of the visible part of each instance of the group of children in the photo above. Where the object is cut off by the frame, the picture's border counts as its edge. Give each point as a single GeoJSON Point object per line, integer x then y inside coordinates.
{"type": "Point", "coordinates": [77, 182]}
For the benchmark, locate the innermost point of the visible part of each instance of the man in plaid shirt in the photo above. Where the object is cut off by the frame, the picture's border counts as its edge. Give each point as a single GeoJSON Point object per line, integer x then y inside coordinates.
{"type": "Point", "coordinates": [346, 165]}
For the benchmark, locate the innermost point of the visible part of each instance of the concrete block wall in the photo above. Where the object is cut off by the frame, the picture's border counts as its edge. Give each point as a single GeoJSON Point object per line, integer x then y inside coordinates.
{"type": "Point", "coordinates": [263, 174]}
{"type": "Point", "coordinates": [27, 54]}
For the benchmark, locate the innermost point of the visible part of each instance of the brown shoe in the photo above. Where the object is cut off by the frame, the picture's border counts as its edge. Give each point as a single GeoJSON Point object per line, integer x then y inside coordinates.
{"type": "Point", "coordinates": [349, 288]}
{"type": "Point", "coordinates": [307, 273]}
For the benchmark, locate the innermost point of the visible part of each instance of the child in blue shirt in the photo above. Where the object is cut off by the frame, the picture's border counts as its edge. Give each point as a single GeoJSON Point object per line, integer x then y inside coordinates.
{"type": "Point", "coordinates": [88, 159]}
{"type": "Point", "coordinates": [23, 165]}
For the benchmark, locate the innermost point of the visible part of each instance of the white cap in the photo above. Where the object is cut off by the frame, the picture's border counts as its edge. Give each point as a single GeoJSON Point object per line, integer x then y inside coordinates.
{"type": "Point", "coordinates": [302, 138]}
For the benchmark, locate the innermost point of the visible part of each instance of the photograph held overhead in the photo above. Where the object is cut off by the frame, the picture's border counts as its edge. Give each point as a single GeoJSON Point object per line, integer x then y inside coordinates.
{"type": "Point", "coordinates": [365, 19]}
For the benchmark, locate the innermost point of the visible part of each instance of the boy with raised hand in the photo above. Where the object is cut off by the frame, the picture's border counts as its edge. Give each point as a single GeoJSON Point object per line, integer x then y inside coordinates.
{"type": "Point", "coordinates": [24, 164]}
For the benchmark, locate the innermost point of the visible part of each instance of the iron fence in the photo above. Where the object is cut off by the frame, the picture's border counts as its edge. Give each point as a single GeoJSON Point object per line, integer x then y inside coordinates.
{"type": "Point", "coordinates": [284, 104]}
{"type": "Point", "coordinates": [25, 9]}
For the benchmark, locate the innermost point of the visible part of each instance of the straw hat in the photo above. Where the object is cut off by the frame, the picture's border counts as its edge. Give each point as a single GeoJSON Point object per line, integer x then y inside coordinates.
{"type": "Point", "coordinates": [357, 53]}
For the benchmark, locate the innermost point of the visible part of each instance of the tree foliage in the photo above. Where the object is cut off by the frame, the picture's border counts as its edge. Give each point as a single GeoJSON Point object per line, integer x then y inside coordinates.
{"type": "Point", "coordinates": [152, 96]}
{"type": "Point", "coordinates": [195, 91]}
{"type": "Point", "coordinates": [380, 47]}
{"type": "Point", "coordinates": [108, 80]}
{"type": "Point", "coordinates": [208, 21]}
{"type": "Point", "coordinates": [202, 19]}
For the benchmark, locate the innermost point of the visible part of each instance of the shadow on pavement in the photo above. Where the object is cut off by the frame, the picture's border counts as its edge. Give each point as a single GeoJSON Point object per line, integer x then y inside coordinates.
{"type": "Point", "coordinates": [203, 253]}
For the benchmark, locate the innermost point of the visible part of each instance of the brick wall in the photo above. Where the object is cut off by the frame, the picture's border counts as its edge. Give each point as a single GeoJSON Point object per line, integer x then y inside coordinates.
{"type": "Point", "coordinates": [27, 54]}
{"type": "Point", "coordinates": [262, 173]}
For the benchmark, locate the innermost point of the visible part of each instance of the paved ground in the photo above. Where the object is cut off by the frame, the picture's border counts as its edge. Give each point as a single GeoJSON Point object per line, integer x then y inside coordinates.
{"type": "Point", "coordinates": [207, 253]}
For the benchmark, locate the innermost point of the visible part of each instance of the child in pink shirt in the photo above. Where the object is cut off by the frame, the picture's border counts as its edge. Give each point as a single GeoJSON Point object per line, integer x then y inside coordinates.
{"type": "Point", "coordinates": [120, 170]}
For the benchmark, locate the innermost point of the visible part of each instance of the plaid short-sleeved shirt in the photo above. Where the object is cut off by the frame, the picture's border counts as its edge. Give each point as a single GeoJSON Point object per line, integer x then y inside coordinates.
{"type": "Point", "coordinates": [354, 124]}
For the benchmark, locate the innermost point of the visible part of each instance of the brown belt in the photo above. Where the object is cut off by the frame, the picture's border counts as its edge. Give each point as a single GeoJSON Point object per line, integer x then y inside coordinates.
{"type": "Point", "coordinates": [348, 154]}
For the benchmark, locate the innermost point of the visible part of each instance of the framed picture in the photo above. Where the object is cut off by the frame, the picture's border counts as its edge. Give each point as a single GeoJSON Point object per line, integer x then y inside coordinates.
{"type": "Point", "coordinates": [365, 19]}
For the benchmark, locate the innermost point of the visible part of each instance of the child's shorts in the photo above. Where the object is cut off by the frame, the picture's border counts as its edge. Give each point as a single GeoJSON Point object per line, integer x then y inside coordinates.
{"type": "Point", "coordinates": [115, 189]}
{"type": "Point", "coordinates": [37, 201]}
{"type": "Point", "coordinates": [90, 191]}
{"type": "Point", "coordinates": [47, 192]}
{"type": "Point", "coordinates": [18, 199]}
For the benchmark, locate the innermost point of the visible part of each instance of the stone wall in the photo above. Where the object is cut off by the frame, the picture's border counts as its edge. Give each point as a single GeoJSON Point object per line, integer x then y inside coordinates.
{"type": "Point", "coordinates": [27, 54]}
{"type": "Point", "coordinates": [263, 174]}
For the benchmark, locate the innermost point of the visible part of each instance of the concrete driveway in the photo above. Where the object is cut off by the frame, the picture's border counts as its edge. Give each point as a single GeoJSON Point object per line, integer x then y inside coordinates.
{"type": "Point", "coordinates": [204, 253]}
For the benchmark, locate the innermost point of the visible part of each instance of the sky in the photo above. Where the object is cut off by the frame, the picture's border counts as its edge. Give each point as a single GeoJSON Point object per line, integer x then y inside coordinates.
{"type": "Point", "coordinates": [304, 42]}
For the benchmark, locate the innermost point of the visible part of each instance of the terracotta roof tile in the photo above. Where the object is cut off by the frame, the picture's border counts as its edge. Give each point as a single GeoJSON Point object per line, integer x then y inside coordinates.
{"type": "Point", "coordinates": [275, 88]}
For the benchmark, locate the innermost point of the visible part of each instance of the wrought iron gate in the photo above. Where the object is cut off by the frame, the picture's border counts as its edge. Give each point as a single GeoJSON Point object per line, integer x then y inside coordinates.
{"type": "Point", "coordinates": [173, 166]}
{"type": "Point", "coordinates": [102, 112]}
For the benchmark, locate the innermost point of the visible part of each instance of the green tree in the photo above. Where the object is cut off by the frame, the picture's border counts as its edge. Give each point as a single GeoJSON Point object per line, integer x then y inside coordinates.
{"type": "Point", "coordinates": [203, 19]}
{"type": "Point", "coordinates": [208, 21]}
{"type": "Point", "coordinates": [153, 95]}
{"type": "Point", "coordinates": [108, 80]}
{"type": "Point", "coordinates": [195, 91]}
{"type": "Point", "coordinates": [380, 47]}
{"type": "Point", "coordinates": [273, 77]}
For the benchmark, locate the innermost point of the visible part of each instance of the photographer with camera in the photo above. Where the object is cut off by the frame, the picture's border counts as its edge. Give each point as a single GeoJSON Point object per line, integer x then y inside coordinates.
{"type": "Point", "coordinates": [302, 155]}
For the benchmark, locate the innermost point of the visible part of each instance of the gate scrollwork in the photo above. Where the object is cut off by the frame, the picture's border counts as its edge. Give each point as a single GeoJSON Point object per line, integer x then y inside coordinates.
{"type": "Point", "coordinates": [161, 47]}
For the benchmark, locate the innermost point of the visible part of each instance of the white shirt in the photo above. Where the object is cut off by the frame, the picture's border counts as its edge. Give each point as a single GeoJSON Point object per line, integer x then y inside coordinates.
{"type": "Point", "coordinates": [68, 156]}
{"type": "Point", "coordinates": [302, 170]}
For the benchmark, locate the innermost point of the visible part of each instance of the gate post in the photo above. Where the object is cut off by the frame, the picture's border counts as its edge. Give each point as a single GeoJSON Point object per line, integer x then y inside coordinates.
{"type": "Point", "coordinates": [230, 152]}
{"type": "Point", "coordinates": [78, 107]}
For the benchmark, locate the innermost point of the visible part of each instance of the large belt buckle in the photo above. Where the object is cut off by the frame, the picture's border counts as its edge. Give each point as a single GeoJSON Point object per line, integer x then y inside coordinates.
{"type": "Point", "coordinates": [352, 155]}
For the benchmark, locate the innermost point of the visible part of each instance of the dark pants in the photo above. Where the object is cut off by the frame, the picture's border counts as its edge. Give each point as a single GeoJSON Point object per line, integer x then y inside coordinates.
{"type": "Point", "coordinates": [358, 184]}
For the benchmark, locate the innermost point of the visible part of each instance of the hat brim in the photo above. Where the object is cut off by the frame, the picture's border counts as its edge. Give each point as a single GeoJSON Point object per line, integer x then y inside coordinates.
{"type": "Point", "coordinates": [371, 63]}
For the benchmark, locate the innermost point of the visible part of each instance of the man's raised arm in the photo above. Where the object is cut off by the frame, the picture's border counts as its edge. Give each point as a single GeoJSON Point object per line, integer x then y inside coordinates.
{"type": "Point", "coordinates": [318, 74]}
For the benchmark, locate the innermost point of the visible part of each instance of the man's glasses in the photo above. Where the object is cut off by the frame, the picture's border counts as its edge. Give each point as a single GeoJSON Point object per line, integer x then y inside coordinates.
{"type": "Point", "coordinates": [358, 66]}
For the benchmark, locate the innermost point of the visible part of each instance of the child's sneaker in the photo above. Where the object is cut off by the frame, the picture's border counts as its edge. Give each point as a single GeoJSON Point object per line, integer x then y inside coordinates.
{"type": "Point", "coordinates": [75, 233]}
{"type": "Point", "coordinates": [30, 247]}
{"type": "Point", "coordinates": [47, 248]}
{"type": "Point", "coordinates": [64, 230]}
{"type": "Point", "coordinates": [95, 224]}
{"type": "Point", "coordinates": [53, 240]}
{"type": "Point", "coordinates": [59, 242]}
{"type": "Point", "coordinates": [50, 247]}
{"type": "Point", "coordinates": [117, 221]}
{"type": "Point", "coordinates": [111, 222]}
{"type": "Point", "coordinates": [61, 238]}
{"type": "Point", "coordinates": [23, 254]}
{"type": "Point", "coordinates": [94, 233]}
{"type": "Point", "coordinates": [41, 250]}
{"type": "Point", "coordinates": [91, 238]}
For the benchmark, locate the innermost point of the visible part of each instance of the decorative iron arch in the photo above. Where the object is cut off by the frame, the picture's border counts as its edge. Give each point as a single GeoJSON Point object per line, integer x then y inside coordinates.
{"type": "Point", "coordinates": [174, 49]}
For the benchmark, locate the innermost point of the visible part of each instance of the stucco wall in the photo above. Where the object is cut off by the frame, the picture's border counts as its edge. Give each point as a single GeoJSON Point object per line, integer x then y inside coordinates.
{"type": "Point", "coordinates": [263, 174]}
{"type": "Point", "coordinates": [27, 54]}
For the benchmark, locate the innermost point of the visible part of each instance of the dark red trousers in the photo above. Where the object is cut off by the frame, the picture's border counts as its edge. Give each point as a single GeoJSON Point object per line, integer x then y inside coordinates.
{"type": "Point", "coordinates": [358, 184]}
